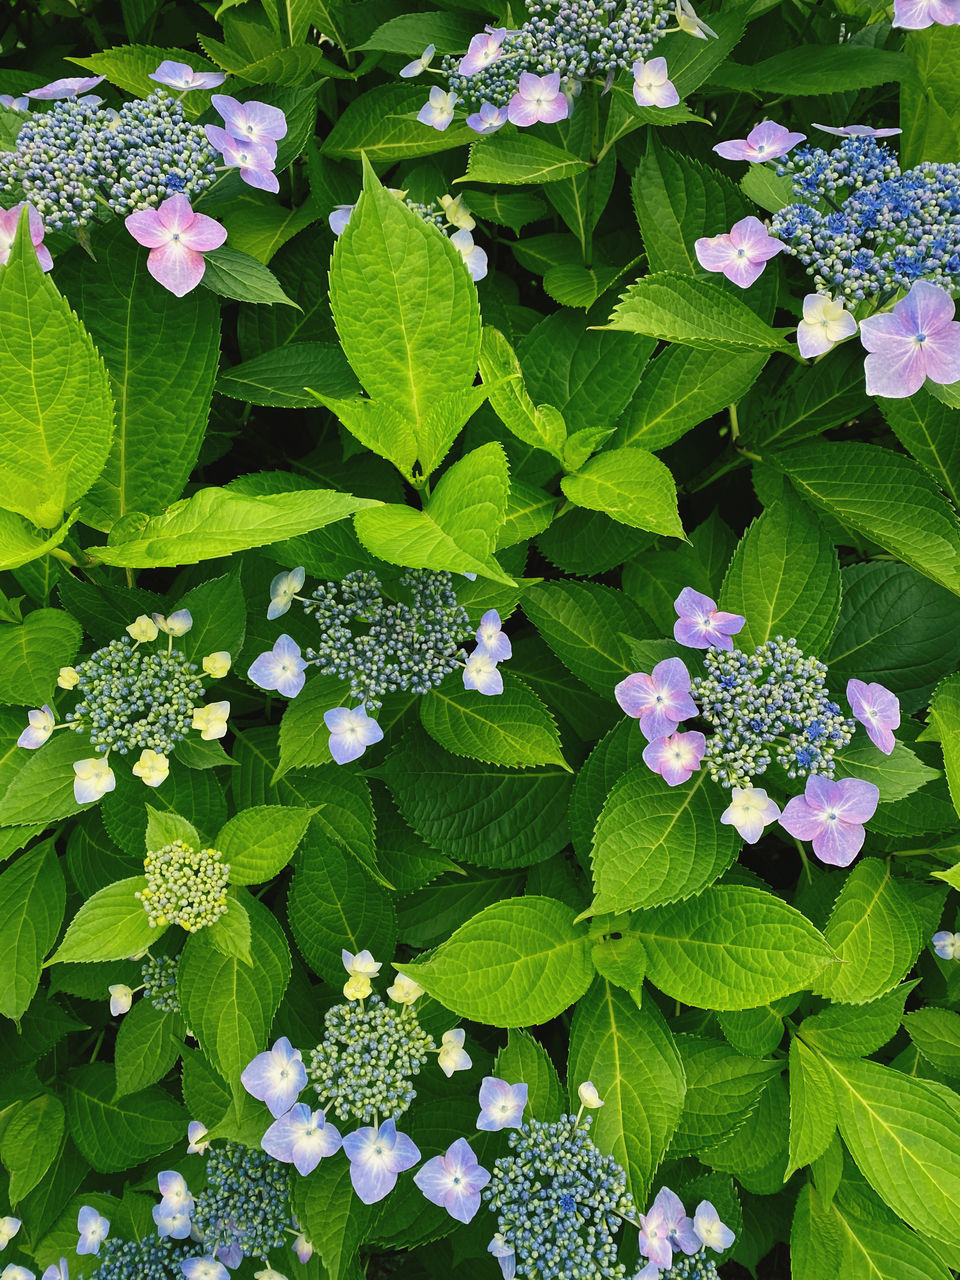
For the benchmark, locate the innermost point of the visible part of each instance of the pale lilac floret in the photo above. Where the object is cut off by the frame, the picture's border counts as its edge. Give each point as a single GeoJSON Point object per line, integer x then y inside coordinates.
{"type": "Point", "coordinates": [253, 121]}
{"type": "Point", "coordinates": [825, 323]}
{"type": "Point", "coordinates": [283, 591]}
{"type": "Point", "coordinates": [15, 1272]}
{"type": "Point", "coordinates": [302, 1138]}
{"type": "Point", "coordinates": [505, 1254]}
{"type": "Point", "coordinates": [93, 1228]}
{"type": "Point", "coordinates": [482, 50]}
{"type": "Point", "coordinates": [280, 669]}
{"type": "Point", "coordinates": [437, 111]}
{"type": "Point", "coordinates": [177, 239]}
{"type": "Point", "coordinates": [491, 639]}
{"type": "Point", "coordinates": [418, 64]}
{"type": "Point", "coordinates": [454, 1180]}
{"type": "Point", "coordinates": [351, 732]}
{"type": "Point", "coordinates": [14, 104]}
{"type": "Point", "coordinates": [173, 1224]}
{"type": "Point", "coordinates": [765, 141]}
{"type": "Point", "coordinates": [671, 1217]}
{"type": "Point", "coordinates": [57, 1271]}
{"type": "Point", "coordinates": [196, 1132]}
{"type": "Point", "coordinates": [877, 709]}
{"type": "Point", "coordinates": [339, 218]}
{"type": "Point", "coordinates": [538, 99]}
{"type": "Point", "coordinates": [660, 700]}
{"type": "Point", "coordinates": [832, 814]}
{"type": "Point", "coordinates": [675, 758]}
{"type": "Point", "coordinates": [750, 811]}
{"type": "Point", "coordinates": [175, 1192]}
{"type": "Point", "coordinates": [41, 723]}
{"type": "Point", "coordinates": [205, 1269]}
{"type": "Point", "coordinates": [918, 339]}
{"type": "Point", "coordinates": [740, 253]}
{"type": "Point", "coordinates": [652, 86]}
{"type": "Point", "coordinates": [276, 1077]}
{"type": "Point", "coordinates": [501, 1105]}
{"type": "Point", "coordinates": [302, 1247]}
{"type": "Point", "coordinates": [9, 218]}
{"type": "Point", "coordinates": [178, 75]}
{"type": "Point", "coordinates": [655, 1239]}
{"type": "Point", "coordinates": [710, 1231]}
{"type": "Point", "coordinates": [474, 257]}
{"type": "Point", "coordinates": [488, 119]}
{"type": "Point", "coordinates": [66, 88]}
{"type": "Point", "coordinates": [480, 673]}
{"type": "Point", "coordinates": [8, 1229]}
{"type": "Point", "coordinates": [914, 15]}
{"type": "Point", "coordinates": [946, 944]}
{"type": "Point", "coordinates": [856, 131]}
{"type": "Point", "coordinates": [701, 624]}
{"type": "Point", "coordinates": [377, 1157]}
{"type": "Point", "coordinates": [254, 161]}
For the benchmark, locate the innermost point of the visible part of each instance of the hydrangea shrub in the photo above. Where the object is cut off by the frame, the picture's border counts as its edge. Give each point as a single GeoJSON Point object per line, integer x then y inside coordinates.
{"type": "Point", "coordinates": [480, 640]}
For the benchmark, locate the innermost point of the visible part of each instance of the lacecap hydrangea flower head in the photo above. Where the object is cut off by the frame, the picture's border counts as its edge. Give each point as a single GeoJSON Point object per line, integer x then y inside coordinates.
{"type": "Point", "coordinates": [134, 695]}
{"type": "Point", "coordinates": [768, 706]}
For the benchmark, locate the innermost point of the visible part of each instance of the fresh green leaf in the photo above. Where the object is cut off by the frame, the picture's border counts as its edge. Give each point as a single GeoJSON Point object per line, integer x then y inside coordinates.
{"type": "Point", "coordinates": [109, 926]}
{"type": "Point", "coordinates": [32, 899]}
{"type": "Point", "coordinates": [512, 728]}
{"type": "Point", "coordinates": [258, 843]}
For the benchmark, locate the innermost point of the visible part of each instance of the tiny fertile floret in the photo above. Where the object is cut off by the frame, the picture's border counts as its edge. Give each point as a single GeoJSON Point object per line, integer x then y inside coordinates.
{"type": "Point", "coordinates": [185, 886]}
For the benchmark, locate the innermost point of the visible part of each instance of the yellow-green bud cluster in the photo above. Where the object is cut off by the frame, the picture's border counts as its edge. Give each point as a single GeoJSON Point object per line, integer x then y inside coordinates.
{"type": "Point", "coordinates": [185, 886]}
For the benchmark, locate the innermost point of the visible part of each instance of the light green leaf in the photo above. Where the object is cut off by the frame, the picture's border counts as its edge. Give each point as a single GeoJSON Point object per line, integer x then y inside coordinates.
{"type": "Point", "coordinates": [630, 1055]}
{"type": "Point", "coordinates": [470, 500]}
{"type": "Point", "coordinates": [56, 408]}
{"type": "Point", "coordinates": [290, 377]}
{"type": "Point", "coordinates": [129, 68]}
{"type": "Point", "coordinates": [515, 158]}
{"type": "Point", "coordinates": [543, 426]}
{"type": "Point", "coordinates": [332, 1216]}
{"type": "Point", "coordinates": [32, 899]}
{"type": "Point", "coordinates": [233, 274]}
{"type": "Point", "coordinates": [378, 426]}
{"type": "Point", "coordinates": [412, 32]}
{"type": "Point", "coordinates": [41, 782]}
{"type": "Point", "coordinates": [31, 1139]}
{"type": "Point", "coordinates": [856, 1031]}
{"type": "Point", "coordinates": [723, 1088]}
{"type": "Point", "coordinates": [936, 1033]}
{"type": "Point", "coordinates": [697, 313]}
{"type": "Point", "coordinates": [405, 536]}
{"type": "Point", "coordinates": [518, 963]}
{"type": "Point", "coordinates": [510, 728]}
{"type": "Point", "coordinates": [945, 718]}
{"type": "Point", "coordinates": [257, 225]}
{"type": "Point", "coordinates": [20, 542]}
{"type": "Point", "coordinates": [732, 947]}
{"type": "Point", "coordinates": [629, 485]}
{"type": "Point", "coordinates": [32, 653]}
{"type": "Point", "coordinates": [813, 1117]}
{"type": "Point", "coordinates": [656, 844]}
{"type": "Point", "coordinates": [761, 185]}
{"type": "Point", "coordinates": [876, 1244]}
{"type": "Point", "coordinates": [304, 738]}
{"type": "Point", "coordinates": [258, 843]}
{"type": "Point", "coordinates": [930, 431]}
{"type": "Point", "coordinates": [231, 934]}
{"type": "Point", "coordinates": [898, 775]}
{"type": "Point", "coordinates": [585, 624]}
{"type": "Point", "coordinates": [218, 522]}
{"type": "Point", "coordinates": [523, 1060]}
{"type": "Point", "coordinates": [116, 1135]}
{"type": "Point", "coordinates": [109, 926]}
{"type": "Point", "coordinates": [163, 827]}
{"type": "Point", "coordinates": [382, 125]}
{"type": "Point", "coordinates": [148, 1044]}
{"type": "Point", "coordinates": [814, 69]}
{"type": "Point", "coordinates": [513, 209]}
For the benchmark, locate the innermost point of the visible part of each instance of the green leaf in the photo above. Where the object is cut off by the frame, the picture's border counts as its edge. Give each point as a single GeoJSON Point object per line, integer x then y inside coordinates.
{"type": "Point", "coordinates": [513, 209]}
{"type": "Point", "coordinates": [149, 340]}
{"type": "Point", "coordinates": [229, 1005]}
{"type": "Point", "coordinates": [219, 620]}
{"type": "Point", "coordinates": [902, 1134]}
{"type": "Point", "coordinates": [163, 827]}
{"type": "Point", "coordinates": [405, 307]}
{"type": "Point", "coordinates": [31, 1139]}
{"type": "Point", "coordinates": [491, 817]}
{"type": "Point", "coordinates": [41, 784]}
{"type": "Point", "coordinates": [258, 843]}
{"type": "Point", "coordinates": [55, 402]}
{"type": "Point", "coordinates": [116, 1135]}
{"type": "Point", "coordinates": [761, 185]}
{"type": "Point", "coordinates": [732, 947]}
{"type": "Point", "coordinates": [630, 1055]}
{"type": "Point", "coordinates": [218, 522]}
{"type": "Point", "coordinates": [874, 930]}
{"type": "Point", "coordinates": [876, 1243]}
{"type": "Point", "coordinates": [784, 578]}
{"type": "Point", "coordinates": [898, 775]}
{"type": "Point", "coordinates": [304, 738]}
{"type": "Point", "coordinates": [697, 313]}
{"type": "Point", "coordinates": [882, 495]}
{"type": "Point", "coordinates": [331, 1216]}
{"type": "Point", "coordinates": [32, 653]}
{"type": "Point", "coordinates": [470, 500]}
{"type": "Point", "coordinates": [629, 485]}
{"type": "Point", "coordinates": [512, 728]}
{"type": "Point", "coordinates": [540, 426]}
{"type": "Point", "coordinates": [856, 1031]}
{"type": "Point", "coordinates": [723, 1088]}
{"type": "Point", "coordinates": [523, 1060]}
{"type": "Point", "coordinates": [936, 1033]}
{"type": "Point", "coordinates": [281, 378]}
{"type": "Point", "coordinates": [585, 624]}
{"type": "Point", "coordinates": [610, 759]}
{"type": "Point", "coordinates": [129, 68]}
{"type": "Point", "coordinates": [515, 158]}
{"type": "Point", "coordinates": [945, 718]}
{"type": "Point", "coordinates": [656, 844]}
{"type": "Point", "coordinates": [813, 1118]}
{"type": "Point", "coordinates": [32, 900]}
{"type": "Point", "coordinates": [814, 69]}
{"type": "Point", "coordinates": [382, 125]}
{"type": "Point", "coordinates": [518, 963]}
{"type": "Point", "coordinates": [148, 1044]}
{"type": "Point", "coordinates": [931, 432]}
{"type": "Point", "coordinates": [20, 542]}
{"type": "Point", "coordinates": [230, 933]}
{"type": "Point", "coordinates": [109, 926]}
{"type": "Point", "coordinates": [412, 32]}
{"type": "Point", "coordinates": [233, 274]}
{"type": "Point", "coordinates": [405, 536]}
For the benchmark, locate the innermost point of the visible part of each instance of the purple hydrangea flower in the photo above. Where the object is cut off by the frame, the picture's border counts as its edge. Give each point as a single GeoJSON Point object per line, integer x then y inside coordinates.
{"type": "Point", "coordinates": [501, 1105]}
{"type": "Point", "coordinates": [14, 1272]}
{"type": "Point", "coordinates": [918, 339]}
{"type": "Point", "coordinates": [414, 68]}
{"type": "Point", "coordinates": [877, 709]}
{"type": "Point", "coordinates": [454, 1181]}
{"type": "Point", "coordinates": [252, 121]}
{"type": "Point", "coordinates": [491, 639]}
{"type": "Point", "coordinates": [667, 1229]}
{"type": "Point", "coordinates": [701, 624]}
{"type": "Point", "coordinates": [437, 111]}
{"type": "Point", "coordinates": [825, 323]}
{"type": "Point", "coordinates": [505, 1254]}
{"type": "Point", "coordinates": [175, 1192]}
{"type": "Point", "coordinates": [832, 814]}
{"type": "Point", "coordinates": [946, 944]}
{"type": "Point", "coordinates": [710, 1231]}
{"type": "Point", "coordinates": [856, 131]}
{"type": "Point", "coordinates": [651, 84]}
{"type": "Point", "coordinates": [351, 732]}
{"type": "Point", "coordinates": [9, 218]}
{"type": "Point", "coordinates": [765, 141]}
{"type": "Point", "coordinates": [67, 88]}
{"type": "Point", "coordinates": [339, 218]}
{"type": "Point", "coordinates": [675, 758]}
{"type": "Point", "coordinates": [93, 1228]}
{"type": "Point", "coordinates": [254, 161]}
{"type": "Point", "coordinates": [196, 1132]}
{"type": "Point", "coordinates": [538, 99]}
{"type": "Point", "coordinates": [8, 1229]}
{"type": "Point", "coordinates": [171, 1223]}
{"type": "Point", "coordinates": [57, 1271]}
{"type": "Point", "coordinates": [177, 239]}
{"type": "Point", "coordinates": [178, 75]}
{"type": "Point", "coordinates": [205, 1268]}
{"type": "Point", "coordinates": [487, 120]}
{"type": "Point", "coordinates": [474, 257]}
{"type": "Point", "coordinates": [276, 1077]}
{"type": "Point", "coordinates": [914, 15]}
{"type": "Point", "coordinates": [482, 50]}
{"type": "Point", "coordinates": [281, 668]}
{"type": "Point", "coordinates": [660, 701]}
{"type": "Point", "coordinates": [377, 1157]}
{"type": "Point", "coordinates": [740, 253]}
{"type": "Point", "coordinates": [14, 104]}
{"type": "Point", "coordinates": [301, 1138]}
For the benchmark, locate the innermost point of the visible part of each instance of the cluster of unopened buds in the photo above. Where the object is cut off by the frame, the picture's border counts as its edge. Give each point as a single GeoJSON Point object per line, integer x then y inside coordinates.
{"type": "Point", "coordinates": [446, 212]}
{"type": "Point", "coordinates": [769, 705]}
{"type": "Point", "coordinates": [405, 647]}
{"type": "Point", "coordinates": [133, 697]}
